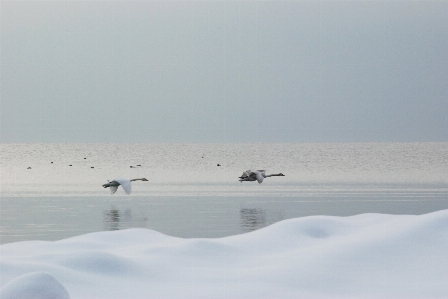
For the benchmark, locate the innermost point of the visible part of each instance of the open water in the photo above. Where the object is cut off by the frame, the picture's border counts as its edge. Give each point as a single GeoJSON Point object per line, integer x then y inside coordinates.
{"type": "Point", "coordinates": [53, 191]}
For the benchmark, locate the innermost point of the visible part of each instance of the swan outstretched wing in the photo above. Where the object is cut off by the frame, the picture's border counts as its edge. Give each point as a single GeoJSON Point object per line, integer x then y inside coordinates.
{"type": "Point", "coordinates": [126, 184]}
{"type": "Point", "coordinates": [256, 175]}
{"type": "Point", "coordinates": [259, 176]}
{"type": "Point", "coordinates": [127, 187]}
{"type": "Point", "coordinates": [113, 189]}
{"type": "Point", "coordinates": [252, 175]}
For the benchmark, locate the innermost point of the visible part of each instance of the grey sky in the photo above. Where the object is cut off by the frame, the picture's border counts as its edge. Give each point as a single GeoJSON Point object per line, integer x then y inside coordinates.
{"type": "Point", "coordinates": [221, 71]}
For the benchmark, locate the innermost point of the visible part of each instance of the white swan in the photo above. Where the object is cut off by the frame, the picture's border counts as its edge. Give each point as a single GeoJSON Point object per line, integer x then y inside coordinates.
{"type": "Point", "coordinates": [125, 183]}
{"type": "Point", "coordinates": [256, 175]}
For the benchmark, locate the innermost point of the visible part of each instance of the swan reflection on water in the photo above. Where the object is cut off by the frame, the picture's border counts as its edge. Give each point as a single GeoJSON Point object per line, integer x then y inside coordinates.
{"type": "Point", "coordinates": [115, 219]}
{"type": "Point", "coordinates": [250, 219]}
{"type": "Point", "coordinates": [256, 218]}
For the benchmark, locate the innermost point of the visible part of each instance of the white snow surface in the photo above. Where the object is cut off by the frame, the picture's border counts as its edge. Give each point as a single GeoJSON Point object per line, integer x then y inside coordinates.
{"type": "Point", "coordinates": [35, 285]}
{"type": "Point", "coordinates": [363, 256]}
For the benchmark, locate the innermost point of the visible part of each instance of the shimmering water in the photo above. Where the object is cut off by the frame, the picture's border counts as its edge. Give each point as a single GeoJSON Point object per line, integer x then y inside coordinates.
{"type": "Point", "coordinates": [53, 191]}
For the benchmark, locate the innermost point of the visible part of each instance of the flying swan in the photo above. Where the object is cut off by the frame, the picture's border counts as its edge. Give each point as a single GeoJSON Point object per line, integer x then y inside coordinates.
{"type": "Point", "coordinates": [125, 183]}
{"type": "Point", "coordinates": [256, 175]}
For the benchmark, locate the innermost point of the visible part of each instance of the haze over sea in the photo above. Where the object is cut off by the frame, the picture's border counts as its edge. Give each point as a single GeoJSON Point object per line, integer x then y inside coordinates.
{"type": "Point", "coordinates": [188, 195]}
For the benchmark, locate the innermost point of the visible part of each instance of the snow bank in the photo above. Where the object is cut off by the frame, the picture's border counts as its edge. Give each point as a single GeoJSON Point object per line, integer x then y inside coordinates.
{"type": "Point", "coordinates": [364, 256]}
{"type": "Point", "coordinates": [35, 285]}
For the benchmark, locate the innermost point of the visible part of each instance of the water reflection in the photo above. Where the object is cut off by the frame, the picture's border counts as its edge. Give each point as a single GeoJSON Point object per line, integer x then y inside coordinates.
{"type": "Point", "coordinates": [252, 219]}
{"type": "Point", "coordinates": [256, 218]}
{"type": "Point", "coordinates": [115, 219]}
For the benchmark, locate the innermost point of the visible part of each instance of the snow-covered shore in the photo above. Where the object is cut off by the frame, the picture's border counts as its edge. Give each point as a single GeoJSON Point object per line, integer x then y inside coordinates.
{"type": "Point", "coordinates": [363, 256]}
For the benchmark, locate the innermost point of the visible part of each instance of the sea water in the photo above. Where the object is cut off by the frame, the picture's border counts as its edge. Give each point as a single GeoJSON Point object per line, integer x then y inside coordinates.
{"type": "Point", "coordinates": [54, 191]}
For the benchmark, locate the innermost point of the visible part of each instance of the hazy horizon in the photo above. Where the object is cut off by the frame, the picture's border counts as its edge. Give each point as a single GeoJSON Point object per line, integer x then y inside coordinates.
{"type": "Point", "coordinates": [218, 71]}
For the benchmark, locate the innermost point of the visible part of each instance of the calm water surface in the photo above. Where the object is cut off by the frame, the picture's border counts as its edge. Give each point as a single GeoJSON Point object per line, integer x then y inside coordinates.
{"type": "Point", "coordinates": [188, 195]}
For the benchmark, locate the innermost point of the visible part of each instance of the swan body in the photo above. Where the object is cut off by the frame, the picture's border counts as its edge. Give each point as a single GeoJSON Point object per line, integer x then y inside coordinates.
{"type": "Point", "coordinates": [256, 175]}
{"type": "Point", "coordinates": [124, 183]}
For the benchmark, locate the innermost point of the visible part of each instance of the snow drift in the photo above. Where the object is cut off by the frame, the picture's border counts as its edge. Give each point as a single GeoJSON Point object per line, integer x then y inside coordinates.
{"type": "Point", "coordinates": [368, 256]}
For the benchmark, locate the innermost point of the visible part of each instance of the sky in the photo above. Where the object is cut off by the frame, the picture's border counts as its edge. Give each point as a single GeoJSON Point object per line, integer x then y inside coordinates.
{"type": "Point", "coordinates": [224, 71]}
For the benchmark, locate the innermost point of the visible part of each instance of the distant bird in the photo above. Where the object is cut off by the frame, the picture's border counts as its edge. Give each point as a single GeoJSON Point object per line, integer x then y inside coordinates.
{"type": "Point", "coordinates": [132, 166]}
{"type": "Point", "coordinates": [29, 168]}
{"type": "Point", "coordinates": [70, 165]}
{"type": "Point", "coordinates": [218, 164]}
{"type": "Point", "coordinates": [256, 175]}
{"type": "Point", "coordinates": [92, 167]}
{"type": "Point", "coordinates": [125, 183]}
{"type": "Point", "coordinates": [139, 165]}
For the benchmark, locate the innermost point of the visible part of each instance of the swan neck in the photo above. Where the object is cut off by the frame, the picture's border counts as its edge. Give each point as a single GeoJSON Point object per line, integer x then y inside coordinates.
{"type": "Point", "coordinates": [140, 179]}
